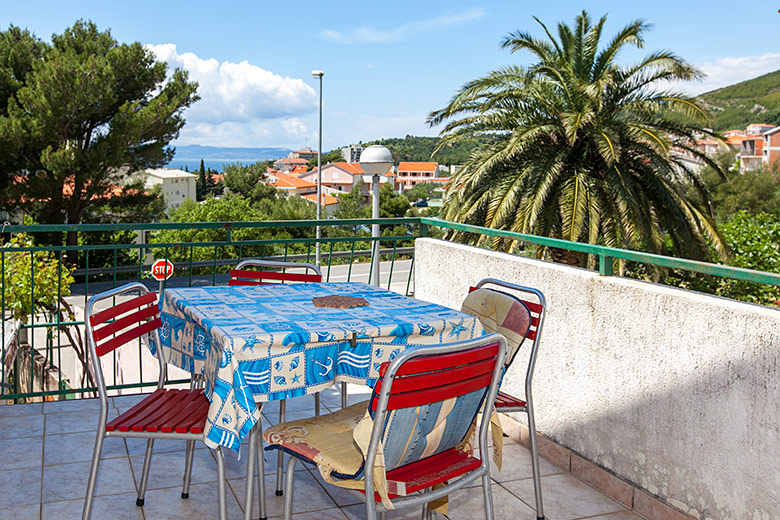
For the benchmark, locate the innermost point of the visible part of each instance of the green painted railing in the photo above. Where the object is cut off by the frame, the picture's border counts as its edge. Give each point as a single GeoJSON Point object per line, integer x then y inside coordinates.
{"type": "Point", "coordinates": [349, 248]}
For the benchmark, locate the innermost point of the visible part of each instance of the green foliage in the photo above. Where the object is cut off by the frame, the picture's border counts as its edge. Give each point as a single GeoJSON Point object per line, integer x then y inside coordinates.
{"type": "Point", "coordinates": [756, 191]}
{"type": "Point", "coordinates": [580, 146]}
{"type": "Point", "coordinates": [231, 208]}
{"type": "Point", "coordinates": [84, 111]}
{"type": "Point", "coordinates": [754, 241]}
{"type": "Point", "coordinates": [205, 185]}
{"type": "Point", "coordinates": [249, 181]}
{"type": "Point", "coordinates": [422, 149]}
{"type": "Point", "coordinates": [33, 280]}
{"type": "Point", "coordinates": [332, 156]}
{"type": "Point", "coordinates": [753, 101]}
{"type": "Point", "coordinates": [422, 190]}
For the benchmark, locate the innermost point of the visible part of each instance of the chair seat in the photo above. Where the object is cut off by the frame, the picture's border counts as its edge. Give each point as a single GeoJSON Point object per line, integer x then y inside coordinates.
{"type": "Point", "coordinates": [508, 401]}
{"type": "Point", "coordinates": [166, 411]}
{"type": "Point", "coordinates": [325, 440]}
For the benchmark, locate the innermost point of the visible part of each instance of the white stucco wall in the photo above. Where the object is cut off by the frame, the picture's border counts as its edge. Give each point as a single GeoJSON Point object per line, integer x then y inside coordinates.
{"type": "Point", "coordinates": [672, 390]}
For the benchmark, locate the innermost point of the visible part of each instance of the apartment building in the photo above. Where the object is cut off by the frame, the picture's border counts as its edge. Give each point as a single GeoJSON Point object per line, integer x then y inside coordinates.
{"type": "Point", "coordinates": [177, 185]}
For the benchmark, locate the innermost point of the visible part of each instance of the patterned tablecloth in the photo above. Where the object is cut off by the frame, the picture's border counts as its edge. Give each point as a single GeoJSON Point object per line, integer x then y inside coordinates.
{"type": "Point", "coordinates": [270, 342]}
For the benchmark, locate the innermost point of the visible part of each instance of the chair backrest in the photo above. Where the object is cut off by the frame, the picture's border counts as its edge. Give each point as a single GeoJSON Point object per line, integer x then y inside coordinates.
{"type": "Point", "coordinates": [427, 399]}
{"type": "Point", "coordinates": [272, 272]}
{"type": "Point", "coordinates": [516, 318]}
{"type": "Point", "coordinates": [121, 323]}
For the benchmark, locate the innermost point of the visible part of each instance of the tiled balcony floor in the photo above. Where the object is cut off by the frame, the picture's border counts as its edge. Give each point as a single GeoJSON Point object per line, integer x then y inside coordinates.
{"type": "Point", "coordinates": [45, 451]}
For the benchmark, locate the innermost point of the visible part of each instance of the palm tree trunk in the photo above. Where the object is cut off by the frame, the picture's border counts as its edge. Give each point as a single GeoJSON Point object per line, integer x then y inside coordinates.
{"type": "Point", "coordinates": [565, 256]}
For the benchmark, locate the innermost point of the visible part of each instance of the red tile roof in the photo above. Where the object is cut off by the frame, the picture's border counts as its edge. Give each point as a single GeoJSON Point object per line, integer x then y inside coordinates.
{"type": "Point", "coordinates": [417, 166]}
{"type": "Point", "coordinates": [284, 181]}
{"type": "Point", "coordinates": [327, 200]}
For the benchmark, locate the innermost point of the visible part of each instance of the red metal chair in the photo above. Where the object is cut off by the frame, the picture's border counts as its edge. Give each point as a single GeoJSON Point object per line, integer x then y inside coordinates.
{"type": "Point", "coordinates": [521, 319]}
{"type": "Point", "coordinates": [413, 437]}
{"type": "Point", "coordinates": [273, 272]}
{"type": "Point", "coordinates": [163, 414]}
{"type": "Point", "coordinates": [276, 272]}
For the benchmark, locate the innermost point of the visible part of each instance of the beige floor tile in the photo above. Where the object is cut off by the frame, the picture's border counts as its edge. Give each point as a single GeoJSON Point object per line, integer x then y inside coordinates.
{"type": "Point", "coordinates": [327, 514]}
{"type": "Point", "coordinates": [468, 504]}
{"type": "Point", "coordinates": [24, 426]}
{"type": "Point", "coordinates": [565, 497]}
{"type": "Point", "coordinates": [20, 487]}
{"type": "Point", "coordinates": [24, 452]}
{"type": "Point", "coordinates": [32, 512]}
{"type": "Point", "coordinates": [19, 410]}
{"type": "Point", "coordinates": [73, 405]}
{"type": "Point", "coordinates": [516, 464]}
{"type": "Point", "coordinates": [73, 422]}
{"type": "Point", "coordinates": [167, 469]}
{"type": "Point", "coordinates": [78, 447]}
{"type": "Point", "coordinates": [620, 515]}
{"type": "Point", "coordinates": [203, 504]}
{"type": "Point", "coordinates": [114, 507]}
{"type": "Point", "coordinates": [69, 481]}
{"type": "Point", "coordinates": [308, 496]}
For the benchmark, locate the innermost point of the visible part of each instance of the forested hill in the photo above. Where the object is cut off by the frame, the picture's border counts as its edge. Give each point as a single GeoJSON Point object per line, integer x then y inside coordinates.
{"type": "Point", "coordinates": [413, 148]}
{"type": "Point", "coordinates": [756, 100]}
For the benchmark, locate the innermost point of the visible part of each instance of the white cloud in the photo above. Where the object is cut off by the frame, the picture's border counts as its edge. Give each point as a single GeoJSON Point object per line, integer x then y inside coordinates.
{"type": "Point", "coordinates": [402, 32]}
{"type": "Point", "coordinates": [238, 100]}
{"type": "Point", "coordinates": [728, 71]}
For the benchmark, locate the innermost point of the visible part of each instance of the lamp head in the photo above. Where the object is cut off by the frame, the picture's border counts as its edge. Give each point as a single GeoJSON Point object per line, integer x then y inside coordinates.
{"type": "Point", "coordinates": [376, 160]}
{"type": "Point", "coordinates": [317, 74]}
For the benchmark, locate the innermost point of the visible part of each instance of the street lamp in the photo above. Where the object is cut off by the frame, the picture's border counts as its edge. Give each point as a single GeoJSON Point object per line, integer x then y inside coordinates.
{"type": "Point", "coordinates": [318, 75]}
{"type": "Point", "coordinates": [375, 160]}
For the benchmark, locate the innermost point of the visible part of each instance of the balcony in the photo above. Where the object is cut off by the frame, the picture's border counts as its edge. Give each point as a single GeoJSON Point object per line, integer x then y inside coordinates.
{"type": "Point", "coordinates": [652, 401]}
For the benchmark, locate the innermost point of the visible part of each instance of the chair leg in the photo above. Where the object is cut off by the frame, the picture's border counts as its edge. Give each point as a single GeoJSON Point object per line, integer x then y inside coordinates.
{"type": "Point", "coordinates": [93, 470]}
{"type": "Point", "coordinates": [250, 474]}
{"type": "Point", "coordinates": [261, 473]}
{"type": "Point", "coordinates": [145, 472]}
{"type": "Point", "coordinates": [488, 496]}
{"type": "Point", "coordinates": [189, 455]}
{"type": "Point", "coordinates": [382, 515]}
{"type": "Point", "coordinates": [289, 484]}
{"type": "Point", "coordinates": [317, 404]}
{"type": "Point", "coordinates": [535, 463]}
{"type": "Point", "coordinates": [343, 395]}
{"type": "Point", "coordinates": [221, 483]}
{"type": "Point", "coordinates": [280, 456]}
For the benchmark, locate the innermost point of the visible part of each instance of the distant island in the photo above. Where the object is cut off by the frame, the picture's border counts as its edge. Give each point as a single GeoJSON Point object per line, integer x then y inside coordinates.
{"type": "Point", "coordinates": [214, 157]}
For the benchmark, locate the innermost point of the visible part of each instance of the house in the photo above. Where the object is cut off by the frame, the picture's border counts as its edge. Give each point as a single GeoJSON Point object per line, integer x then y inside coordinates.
{"type": "Point", "coordinates": [177, 185]}
{"type": "Point", "coordinates": [290, 184]}
{"type": "Point", "coordinates": [751, 154]}
{"type": "Point", "coordinates": [286, 164]}
{"type": "Point", "coordinates": [771, 146]}
{"type": "Point", "coordinates": [411, 173]}
{"type": "Point", "coordinates": [329, 203]}
{"type": "Point", "coordinates": [305, 153]}
{"type": "Point", "coordinates": [343, 176]}
{"type": "Point", "coordinates": [757, 128]}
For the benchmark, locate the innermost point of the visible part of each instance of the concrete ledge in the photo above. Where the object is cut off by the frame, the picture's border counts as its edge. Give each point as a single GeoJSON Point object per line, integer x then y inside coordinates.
{"type": "Point", "coordinates": [633, 497]}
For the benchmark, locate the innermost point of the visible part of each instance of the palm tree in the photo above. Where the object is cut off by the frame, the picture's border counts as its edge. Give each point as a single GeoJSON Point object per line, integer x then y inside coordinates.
{"type": "Point", "coordinates": [582, 147]}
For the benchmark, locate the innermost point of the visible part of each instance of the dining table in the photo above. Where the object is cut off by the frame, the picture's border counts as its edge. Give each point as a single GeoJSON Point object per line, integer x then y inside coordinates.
{"type": "Point", "coordinates": [253, 344]}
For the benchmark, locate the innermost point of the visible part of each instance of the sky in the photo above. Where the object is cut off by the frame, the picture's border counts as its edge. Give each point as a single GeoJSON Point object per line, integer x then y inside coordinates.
{"type": "Point", "coordinates": [387, 65]}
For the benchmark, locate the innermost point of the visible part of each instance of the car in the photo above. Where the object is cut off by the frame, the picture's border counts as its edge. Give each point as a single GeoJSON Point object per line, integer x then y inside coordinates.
{"type": "Point", "coordinates": [421, 203]}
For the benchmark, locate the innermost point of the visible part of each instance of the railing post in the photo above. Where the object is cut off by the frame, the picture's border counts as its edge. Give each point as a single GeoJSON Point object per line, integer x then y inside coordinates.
{"type": "Point", "coordinates": [605, 265]}
{"type": "Point", "coordinates": [423, 229]}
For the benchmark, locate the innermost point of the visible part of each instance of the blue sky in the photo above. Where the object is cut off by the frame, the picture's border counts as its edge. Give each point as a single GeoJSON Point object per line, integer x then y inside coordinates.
{"type": "Point", "coordinates": [387, 65]}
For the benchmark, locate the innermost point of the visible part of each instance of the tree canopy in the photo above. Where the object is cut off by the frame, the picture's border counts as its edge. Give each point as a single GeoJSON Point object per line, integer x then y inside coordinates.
{"type": "Point", "coordinates": [581, 146]}
{"type": "Point", "coordinates": [78, 115]}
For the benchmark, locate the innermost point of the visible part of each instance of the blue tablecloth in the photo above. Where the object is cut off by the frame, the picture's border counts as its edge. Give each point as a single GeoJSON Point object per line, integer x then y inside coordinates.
{"type": "Point", "coordinates": [270, 342]}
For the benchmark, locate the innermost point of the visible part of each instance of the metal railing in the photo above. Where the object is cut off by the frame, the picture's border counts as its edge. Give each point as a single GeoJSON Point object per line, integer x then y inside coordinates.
{"type": "Point", "coordinates": [30, 369]}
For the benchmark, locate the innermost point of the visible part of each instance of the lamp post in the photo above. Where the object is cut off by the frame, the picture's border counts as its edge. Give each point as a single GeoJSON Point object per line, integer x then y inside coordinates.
{"type": "Point", "coordinates": [318, 74]}
{"type": "Point", "coordinates": [375, 160]}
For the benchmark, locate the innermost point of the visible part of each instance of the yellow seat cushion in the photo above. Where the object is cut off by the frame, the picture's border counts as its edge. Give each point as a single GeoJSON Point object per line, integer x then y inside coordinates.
{"type": "Point", "coordinates": [326, 440]}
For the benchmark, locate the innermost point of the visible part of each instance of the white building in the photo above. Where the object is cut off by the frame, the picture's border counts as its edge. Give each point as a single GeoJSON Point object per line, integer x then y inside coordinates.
{"type": "Point", "coordinates": [177, 185]}
{"type": "Point", "coordinates": [351, 153]}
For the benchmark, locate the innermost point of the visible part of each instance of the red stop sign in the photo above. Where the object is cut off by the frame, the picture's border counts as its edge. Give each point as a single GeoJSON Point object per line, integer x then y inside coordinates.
{"type": "Point", "coordinates": [162, 270]}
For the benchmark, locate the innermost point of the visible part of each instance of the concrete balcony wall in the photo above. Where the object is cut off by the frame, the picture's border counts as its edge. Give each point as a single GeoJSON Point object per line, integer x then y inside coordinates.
{"type": "Point", "coordinates": [675, 391]}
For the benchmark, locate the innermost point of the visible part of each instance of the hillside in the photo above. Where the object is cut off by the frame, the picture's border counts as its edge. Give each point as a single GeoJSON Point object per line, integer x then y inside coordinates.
{"type": "Point", "coordinates": [753, 101]}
